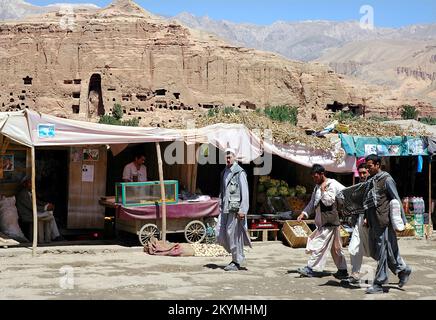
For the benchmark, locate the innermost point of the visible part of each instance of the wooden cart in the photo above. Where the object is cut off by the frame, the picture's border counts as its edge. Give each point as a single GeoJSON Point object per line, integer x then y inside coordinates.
{"type": "Point", "coordinates": [194, 224]}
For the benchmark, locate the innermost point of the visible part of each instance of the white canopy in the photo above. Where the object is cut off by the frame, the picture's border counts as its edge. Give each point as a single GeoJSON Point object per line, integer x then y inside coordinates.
{"type": "Point", "coordinates": [31, 128]}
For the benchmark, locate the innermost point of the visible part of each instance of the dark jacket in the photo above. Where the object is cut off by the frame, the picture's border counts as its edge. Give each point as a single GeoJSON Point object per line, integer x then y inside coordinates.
{"type": "Point", "coordinates": [24, 205]}
{"type": "Point", "coordinates": [385, 191]}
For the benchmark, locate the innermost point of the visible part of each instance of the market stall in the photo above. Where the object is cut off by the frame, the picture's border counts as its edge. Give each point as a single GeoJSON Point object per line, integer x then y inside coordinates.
{"type": "Point", "coordinates": [396, 147]}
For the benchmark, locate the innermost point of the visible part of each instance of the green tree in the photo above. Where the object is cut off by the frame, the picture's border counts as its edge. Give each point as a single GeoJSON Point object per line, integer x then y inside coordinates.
{"type": "Point", "coordinates": [409, 112]}
{"type": "Point", "coordinates": [117, 112]}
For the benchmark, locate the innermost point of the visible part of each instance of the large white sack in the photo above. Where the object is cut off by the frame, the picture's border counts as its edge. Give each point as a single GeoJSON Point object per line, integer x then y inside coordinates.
{"type": "Point", "coordinates": [395, 214]}
{"type": "Point", "coordinates": [9, 219]}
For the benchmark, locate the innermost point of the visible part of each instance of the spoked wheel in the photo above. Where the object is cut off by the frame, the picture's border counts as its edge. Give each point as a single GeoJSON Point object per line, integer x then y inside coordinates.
{"type": "Point", "coordinates": [147, 232]}
{"type": "Point", "coordinates": [195, 231]}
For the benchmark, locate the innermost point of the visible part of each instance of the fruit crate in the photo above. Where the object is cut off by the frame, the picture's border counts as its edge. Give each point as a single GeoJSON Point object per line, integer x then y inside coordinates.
{"type": "Point", "coordinates": [409, 231]}
{"type": "Point", "coordinates": [294, 240]}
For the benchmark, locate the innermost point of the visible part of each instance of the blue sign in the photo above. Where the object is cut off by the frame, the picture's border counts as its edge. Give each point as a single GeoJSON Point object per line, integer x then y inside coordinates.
{"type": "Point", "coordinates": [46, 131]}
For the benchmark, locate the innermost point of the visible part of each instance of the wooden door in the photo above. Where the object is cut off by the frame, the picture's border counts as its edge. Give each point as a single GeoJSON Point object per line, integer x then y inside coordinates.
{"type": "Point", "coordinates": [84, 211]}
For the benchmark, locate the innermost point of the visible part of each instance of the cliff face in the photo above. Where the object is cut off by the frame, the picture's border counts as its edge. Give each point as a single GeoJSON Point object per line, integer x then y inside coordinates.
{"type": "Point", "coordinates": [79, 64]}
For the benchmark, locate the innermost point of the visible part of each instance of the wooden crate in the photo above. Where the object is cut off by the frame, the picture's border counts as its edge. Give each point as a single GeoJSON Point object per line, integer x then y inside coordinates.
{"type": "Point", "coordinates": [290, 236]}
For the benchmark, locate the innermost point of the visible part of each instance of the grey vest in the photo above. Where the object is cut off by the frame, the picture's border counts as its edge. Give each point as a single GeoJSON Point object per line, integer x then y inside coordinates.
{"type": "Point", "coordinates": [231, 193]}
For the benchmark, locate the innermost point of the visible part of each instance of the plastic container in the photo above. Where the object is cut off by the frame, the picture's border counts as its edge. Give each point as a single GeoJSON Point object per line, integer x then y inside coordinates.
{"type": "Point", "coordinates": [419, 216]}
{"type": "Point", "coordinates": [419, 224]}
{"type": "Point", "coordinates": [406, 205]}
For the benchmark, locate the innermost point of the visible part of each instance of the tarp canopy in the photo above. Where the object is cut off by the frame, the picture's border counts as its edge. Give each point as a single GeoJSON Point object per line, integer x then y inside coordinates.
{"type": "Point", "coordinates": [384, 146]}
{"type": "Point", "coordinates": [31, 128]}
{"type": "Point", "coordinates": [419, 127]}
{"type": "Point", "coordinates": [249, 147]}
{"type": "Point", "coordinates": [34, 129]}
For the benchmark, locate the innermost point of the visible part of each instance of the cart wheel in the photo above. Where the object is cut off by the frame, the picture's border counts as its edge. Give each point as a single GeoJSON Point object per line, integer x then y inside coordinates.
{"type": "Point", "coordinates": [147, 231]}
{"type": "Point", "coordinates": [195, 231]}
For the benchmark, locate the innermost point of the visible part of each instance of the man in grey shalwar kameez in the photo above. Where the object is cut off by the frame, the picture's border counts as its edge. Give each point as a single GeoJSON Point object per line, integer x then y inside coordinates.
{"type": "Point", "coordinates": [231, 228]}
{"type": "Point", "coordinates": [382, 237]}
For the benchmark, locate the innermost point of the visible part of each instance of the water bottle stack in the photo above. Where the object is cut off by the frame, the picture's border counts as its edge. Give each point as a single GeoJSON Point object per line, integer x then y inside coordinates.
{"type": "Point", "coordinates": [418, 205]}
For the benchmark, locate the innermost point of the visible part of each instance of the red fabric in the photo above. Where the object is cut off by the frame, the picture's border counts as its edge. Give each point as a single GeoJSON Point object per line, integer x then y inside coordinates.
{"type": "Point", "coordinates": [160, 248]}
{"type": "Point", "coordinates": [183, 209]}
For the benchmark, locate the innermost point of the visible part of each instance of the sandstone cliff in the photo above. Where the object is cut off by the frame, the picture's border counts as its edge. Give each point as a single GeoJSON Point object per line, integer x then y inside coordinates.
{"type": "Point", "coordinates": [79, 64]}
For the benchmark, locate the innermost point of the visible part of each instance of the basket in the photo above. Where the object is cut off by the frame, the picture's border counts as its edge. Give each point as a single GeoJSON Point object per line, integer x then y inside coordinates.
{"type": "Point", "coordinates": [290, 236]}
{"type": "Point", "coordinates": [409, 231]}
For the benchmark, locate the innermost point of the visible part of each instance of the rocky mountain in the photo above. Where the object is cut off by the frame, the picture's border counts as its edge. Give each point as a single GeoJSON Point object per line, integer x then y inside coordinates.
{"type": "Point", "coordinates": [401, 59]}
{"type": "Point", "coordinates": [17, 9]}
{"type": "Point", "coordinates": [79, 66]}
{"type": "Point", "coordinates": [305, 40]}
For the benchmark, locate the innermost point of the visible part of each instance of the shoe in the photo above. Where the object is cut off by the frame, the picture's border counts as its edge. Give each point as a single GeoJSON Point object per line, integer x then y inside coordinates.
{"type": "Point", "coordinates": [59, 238]}
{"type": "Point", "coordinates": [341, 274]}
{"type": "Point", "coordinates": [374, 289]}
{"type": "Point", "coordinates": [404, 277]}
{"type": "Point", "coordinates": [306, 272]}
{"type": "Point", "coordinates": [232, 267]}
{"type": "Point", "coordinates": [354, 278]}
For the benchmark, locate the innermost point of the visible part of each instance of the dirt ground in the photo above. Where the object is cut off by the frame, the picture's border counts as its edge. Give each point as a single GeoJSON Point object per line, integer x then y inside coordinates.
{"type": "Point", "coordinates": [117, 272]}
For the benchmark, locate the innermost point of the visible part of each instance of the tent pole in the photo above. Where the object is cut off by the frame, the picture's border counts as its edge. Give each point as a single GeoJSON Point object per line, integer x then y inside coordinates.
{"type": "Point", "coordinates": [162, 192]}
{"type": "Point", "coordinates": [430, 222]}
{"type": "Point", "coordinates": [35, 215]}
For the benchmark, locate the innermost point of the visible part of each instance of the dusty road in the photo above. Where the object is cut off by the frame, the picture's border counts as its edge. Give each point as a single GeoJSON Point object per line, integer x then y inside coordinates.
{"type": "Point", "coordinates": [116, 272]}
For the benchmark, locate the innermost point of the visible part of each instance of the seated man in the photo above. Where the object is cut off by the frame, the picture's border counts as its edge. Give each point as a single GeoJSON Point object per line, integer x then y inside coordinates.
{"type": "Point", "coordinates": [45, 210]}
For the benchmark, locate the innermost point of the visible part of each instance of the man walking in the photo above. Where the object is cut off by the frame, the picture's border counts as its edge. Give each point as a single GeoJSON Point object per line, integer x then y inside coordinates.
{"type": "Point", "coordinates": [232, 231]}
{"type": "Point", "coordinates": [383, 243]}
{"type": "Point", "coordinates": [359, 243]}
{"type": "Point", "coordinates": [327, 234]}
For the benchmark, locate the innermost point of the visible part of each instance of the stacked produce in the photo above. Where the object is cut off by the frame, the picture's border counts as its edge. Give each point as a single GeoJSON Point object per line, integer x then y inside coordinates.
{"type": "Point", "coordinates": [276, 188]}
{"type": "Point", "coordinates": [299, 231]}
{"type": "Point", "coordinates": [208, 250]}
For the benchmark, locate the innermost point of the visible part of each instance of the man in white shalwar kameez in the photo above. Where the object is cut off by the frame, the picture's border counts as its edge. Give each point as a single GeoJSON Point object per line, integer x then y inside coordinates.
{"type": "Point", "coordinates": [359, 243]}
{"type": "Point", "coordinates": [231, 229]}
{"type": "Point", "coordinates": [327, 236]}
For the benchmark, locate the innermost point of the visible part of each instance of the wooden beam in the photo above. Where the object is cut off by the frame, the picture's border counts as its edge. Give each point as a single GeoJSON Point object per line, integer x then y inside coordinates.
{"type": "Point", "coordinates": [5, 145]}
{"type": "Point", "coordinates": [162, 192]}
{"type": "Point", "coordinates": [35, 213]}
{"type": "Point", "coordinates": [430, 222]}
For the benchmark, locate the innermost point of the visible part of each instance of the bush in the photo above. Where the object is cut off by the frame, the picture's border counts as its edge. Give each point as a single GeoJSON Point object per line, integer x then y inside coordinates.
{"type": "Point", "coordinates": [230, 110]}
{"type": "Point", "coordinates": [428, 120]}
{"type": "Point", "coordinates": [131, 122]}
{"type": "Point", "coordinates": [107, 119]}
{"type": "Point", "coordinates": [342, 116]}
{"type": "Point", "coordinates": [115, 118]}
{"type": "Point", "coordinates": [213, 112]}
{"type": "Point", "coordinates": [409, 112]}
{"type": "Point", "coordinates": [283, 114]}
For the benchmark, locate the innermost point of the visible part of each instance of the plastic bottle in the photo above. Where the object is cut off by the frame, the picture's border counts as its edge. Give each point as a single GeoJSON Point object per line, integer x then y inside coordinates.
{"type": "Point", "coordinates": [419, 217]}
{"type": "Point", "coordinates": [406, 205]}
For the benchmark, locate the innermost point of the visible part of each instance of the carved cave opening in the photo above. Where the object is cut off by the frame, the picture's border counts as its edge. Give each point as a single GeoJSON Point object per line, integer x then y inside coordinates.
{"type": "Point", "coordinates": [95, 98]}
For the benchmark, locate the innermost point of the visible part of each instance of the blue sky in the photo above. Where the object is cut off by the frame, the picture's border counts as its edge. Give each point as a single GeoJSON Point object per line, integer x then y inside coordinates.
{"type": "Point", "coordinates": [387, 13]}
